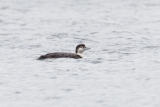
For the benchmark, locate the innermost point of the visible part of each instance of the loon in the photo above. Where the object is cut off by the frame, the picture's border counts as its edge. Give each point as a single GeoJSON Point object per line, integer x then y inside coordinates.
{"type": "Point", "coordinates": [79, 53]}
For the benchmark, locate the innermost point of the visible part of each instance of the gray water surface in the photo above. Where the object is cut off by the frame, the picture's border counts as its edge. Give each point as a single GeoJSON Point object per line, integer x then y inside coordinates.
{"type": "Point", "coordinates": [122, 69]}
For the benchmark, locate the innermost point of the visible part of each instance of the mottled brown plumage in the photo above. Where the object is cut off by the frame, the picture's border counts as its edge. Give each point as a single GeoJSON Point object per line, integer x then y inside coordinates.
{"type": "Point", "coordinates": [60, 55]}
{"type": "Point", "coordinates": [79, 50]}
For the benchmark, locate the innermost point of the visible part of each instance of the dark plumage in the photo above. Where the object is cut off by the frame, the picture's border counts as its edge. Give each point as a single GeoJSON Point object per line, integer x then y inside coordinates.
{"type": "Point", "coordinates": [79, 50]}
{"type": "Point", "coordinates": [60, 55]}
{"type": "Point", "coordinates": [80, 45]}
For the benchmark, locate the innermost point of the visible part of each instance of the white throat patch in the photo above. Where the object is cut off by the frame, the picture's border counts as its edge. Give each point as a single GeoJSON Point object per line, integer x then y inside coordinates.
{"type": "Point", "coordinates": [80, 54]}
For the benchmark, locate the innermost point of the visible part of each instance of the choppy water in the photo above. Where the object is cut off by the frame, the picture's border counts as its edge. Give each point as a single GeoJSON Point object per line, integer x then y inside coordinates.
{"type": "Point", "coordinates": [121, 70]}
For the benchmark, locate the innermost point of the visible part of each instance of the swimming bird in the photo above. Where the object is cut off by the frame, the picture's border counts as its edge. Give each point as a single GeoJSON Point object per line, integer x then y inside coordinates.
{"type": "Point", "coordinates": [79, 53]}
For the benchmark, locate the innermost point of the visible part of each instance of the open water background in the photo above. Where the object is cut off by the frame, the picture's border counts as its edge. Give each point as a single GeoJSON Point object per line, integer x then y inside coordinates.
{"type": "Point", "coordinates": [122, 69]}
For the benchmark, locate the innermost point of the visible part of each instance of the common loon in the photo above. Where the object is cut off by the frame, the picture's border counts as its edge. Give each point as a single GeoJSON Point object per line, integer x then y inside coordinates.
{"type": "Point", "coordinates": [79, 53]}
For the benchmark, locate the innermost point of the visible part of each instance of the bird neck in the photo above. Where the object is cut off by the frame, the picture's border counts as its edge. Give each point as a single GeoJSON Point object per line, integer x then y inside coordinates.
{"type": "Point", "coordinates": [80, 54]}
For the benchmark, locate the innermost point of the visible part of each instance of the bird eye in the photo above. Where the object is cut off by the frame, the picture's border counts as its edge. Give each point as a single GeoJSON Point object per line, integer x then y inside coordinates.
{"type": "Point", "coordinates": [81, 47]}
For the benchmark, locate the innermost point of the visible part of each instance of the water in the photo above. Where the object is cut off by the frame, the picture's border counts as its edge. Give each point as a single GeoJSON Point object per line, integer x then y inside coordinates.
{"type": "Point", "coordinates": [120, 70]}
